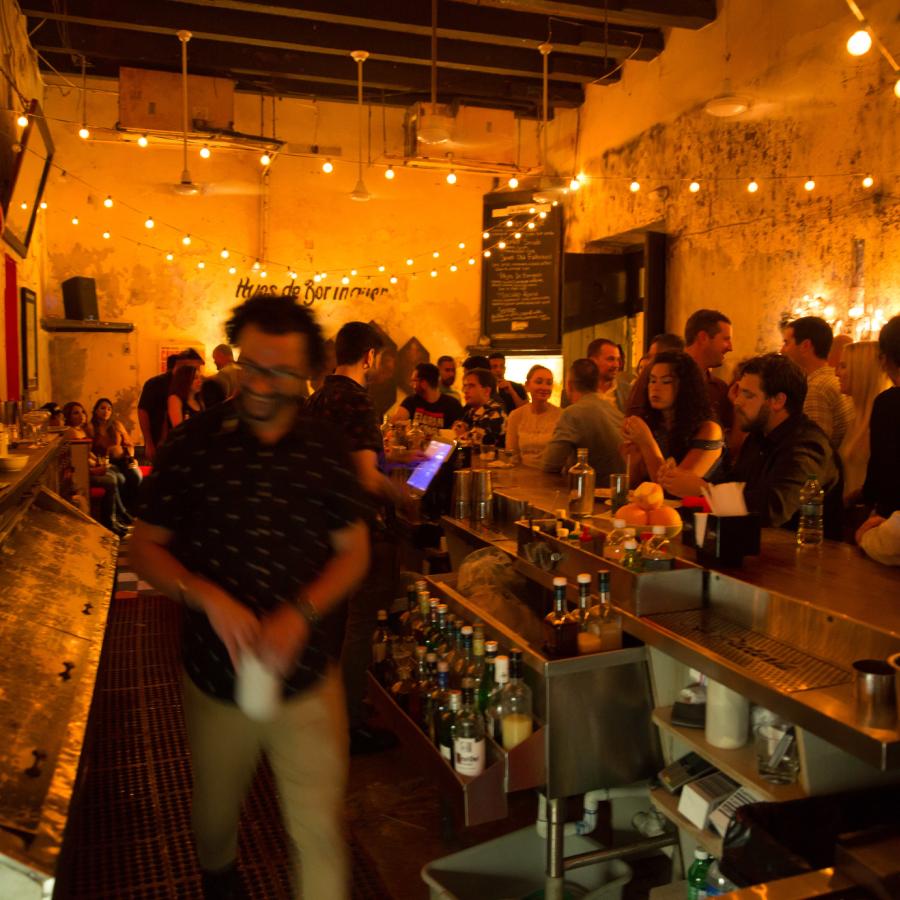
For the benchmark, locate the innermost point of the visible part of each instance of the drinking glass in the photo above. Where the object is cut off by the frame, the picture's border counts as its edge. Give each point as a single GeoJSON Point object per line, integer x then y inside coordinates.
{"type": "Point", "coordinates": [618, 491]}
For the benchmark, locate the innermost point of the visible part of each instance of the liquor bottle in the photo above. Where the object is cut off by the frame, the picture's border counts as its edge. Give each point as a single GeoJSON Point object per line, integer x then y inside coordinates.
{"type": "Point", "coordinates": [477, 669]}
{"type": "Point", "coordinates": [431, 626]}
{"type": "Point", "coordinates": [812, 503]}
{"type": "Point", "coordinates": [440, 699]}
{"type": "Point", "coordinates": [420, 686]}
{"type": "Point", "coordinates": [463, 663]}
{"type": "Point", "coordinates": [631, 557]}
{"type": "Point", "coordinates": [494, 710]}
{"type": "Point", "coordinates": [588, 642]}
{"type": "Point", "coordinates": [488, 680]}
{"type": "Point", "coordinates": [422, 618]}
{"type": "Point", "coordinates": [446, 726]}
{"type": "Point", "coordinates": [468, 740]}
{"type": "Point", "coordinates": [402, 688]}
{"type": "Point", "coordinates": [656, 551]}
{"type": "Point", "coordinates": [602, 627]}
{"type": "Point", "coordinates": [613, 546]}
{"type": "Point", "coordinates": [581, 486]}
{"type": "Point", "coordinates": [560, 629]}
{"type": "Point", "coordinates": [452, 649]}
{"type": "Point", "coordinates": [380, 642]}
{"type": "Point", "coordinates": [697, 875]}
{"type": "Point", "coordinates": [439, 636]}
{"type": "Point", "coordinates": [515, 705]}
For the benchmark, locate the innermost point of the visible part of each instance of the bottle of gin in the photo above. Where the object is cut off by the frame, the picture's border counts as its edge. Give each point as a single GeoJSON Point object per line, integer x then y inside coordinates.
{"type": "Point", "coordinates": [468, 738]}
{"type": "Point", "coordinates": [581, 486]}
{"type": "Point", "coordinates": [602, 627]}
{"type": "Point", "coordinates": [515, 705]}
{"type": "Point", "coordinates": [440, 700]}
{"type": "Point", "coordinates": [560, 629]}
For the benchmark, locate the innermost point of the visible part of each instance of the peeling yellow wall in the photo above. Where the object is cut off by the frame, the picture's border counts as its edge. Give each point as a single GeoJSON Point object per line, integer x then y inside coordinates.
{"type": "Point", "coordinates": [815, 110]}
{"type": "Point", "coordinates": [312, 224]}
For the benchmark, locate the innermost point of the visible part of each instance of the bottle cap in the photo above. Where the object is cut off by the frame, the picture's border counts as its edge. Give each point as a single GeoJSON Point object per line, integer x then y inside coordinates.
{"type": "Point", "coordinates": [700, 854]}
{"type": "Point", "coordinates": [431, 657]}
{"type": "Point", "coordinates": [603, 577]}
{"type": "Point", "coordinates": [658, 529]}
{"type": "Point", "coordinates": [631, 544]}
{"type": "Point", "coordinates": [490, 646]}
{"type": "Point", "coordinates": [560, 514]}
{"type": "Point", "coordinates": [443, 665]}
{"type": "Point", "coordinates": [466, 629]}
{"type": "Point", "coordinates": [584, 578]}
{"type": "Point", "coordinates": [558, 581]}
{"type": "Point", "coordinates": [618, 523]}
{"type": "Point", "coordinates": [442, 609]}
{"type": "Point", "coordinates": [382, 615]}
{"type": "Point", "coordinates": [421, 652]}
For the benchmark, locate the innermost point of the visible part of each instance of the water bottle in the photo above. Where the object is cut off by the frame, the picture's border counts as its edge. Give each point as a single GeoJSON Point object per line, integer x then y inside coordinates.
{"type": "Point", "coordinates": [716, 883]}
{"type": "Point", "coordinates": [812, 502]}
{"type": "Point", "coordinates": [697, 875]}
{"type": "Point", "coordinates": [581, 486]}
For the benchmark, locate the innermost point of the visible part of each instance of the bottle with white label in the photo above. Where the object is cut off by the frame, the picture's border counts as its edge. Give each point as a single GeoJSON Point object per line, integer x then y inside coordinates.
{"type": "Point", "coordinates": [494, 709]}
{"type": "Point", "coordinates": [447, 724]}
{"type": "Point", "coordinates": [468, 738]}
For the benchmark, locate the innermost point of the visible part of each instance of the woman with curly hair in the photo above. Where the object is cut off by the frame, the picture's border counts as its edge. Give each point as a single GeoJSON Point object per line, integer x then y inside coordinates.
{"type": "Point", "coordinates": [673, 425]}
{"type": "Point", "coordinates": [112, 441]}
{"type": "Point", "coordinates": [184, 396]}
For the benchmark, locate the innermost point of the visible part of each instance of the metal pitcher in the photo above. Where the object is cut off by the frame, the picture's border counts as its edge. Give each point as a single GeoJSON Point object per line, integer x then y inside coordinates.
{"type": "Point", "coordinates": [461, 505]}
{"type": "Point", "coordinates": [482, 495]}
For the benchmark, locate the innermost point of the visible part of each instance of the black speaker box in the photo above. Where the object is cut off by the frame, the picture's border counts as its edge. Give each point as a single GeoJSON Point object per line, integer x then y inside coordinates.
{"type": "Point", "coordinates": [80, 298]}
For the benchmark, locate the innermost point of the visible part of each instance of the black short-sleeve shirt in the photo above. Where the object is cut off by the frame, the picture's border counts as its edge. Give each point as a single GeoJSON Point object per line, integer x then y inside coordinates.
{"type": "Point", "coordinates": [255, 519]}
{"type": "Point", "coordinates": [432, 417]}
{"type": "Point", "coordinates": [347, 404]}
{"type": "Point", "coordinates": [154, 401]}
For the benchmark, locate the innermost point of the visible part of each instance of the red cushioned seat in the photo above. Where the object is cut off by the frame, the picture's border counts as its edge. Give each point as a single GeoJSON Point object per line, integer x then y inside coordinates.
{"type": "Point", "coordinates": [145, 470]}
{"type": "Point", "coordinates": [97, 492]}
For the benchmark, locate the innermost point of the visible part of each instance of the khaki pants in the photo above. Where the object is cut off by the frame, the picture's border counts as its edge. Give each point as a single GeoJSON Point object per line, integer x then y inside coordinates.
{"type": "Point", "coordinates": [307, 748]}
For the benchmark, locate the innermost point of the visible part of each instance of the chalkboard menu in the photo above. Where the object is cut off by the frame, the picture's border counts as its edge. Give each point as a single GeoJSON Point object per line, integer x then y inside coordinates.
{"type": "Point", "coordinates": [521, 282]}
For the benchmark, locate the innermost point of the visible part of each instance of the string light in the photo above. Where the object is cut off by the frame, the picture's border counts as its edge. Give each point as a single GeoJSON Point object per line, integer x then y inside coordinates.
{"type": "Point", "coordinates": [170, 256]}
{"type": "Point", "coordinates": [317, 278]}
{"type": "Point", "coordinates": [868, 181]}
{"type": "Point", "coordinates": [74, 220]}
{"type": "Point", "coordinates": [256, 265]}
{"type": "Point", "coordinates": [201, 264]}
{"type": "Point", "coordinates": [897, 87]}
{"type": "Point", "coordinates": [859, 43]}
{"type": "Point", "coordinates": [186, 240]}
{"type": "Point", "coordinates": [502, 245]}
{"type": "Point", "coordinates": [328, 167]}
{"type": "Point", "coordinates": [531, 226]}
{"type": "Point", "coordinates": [809, 184]}
{"type": "Point", "coordinates": [635, 186]}
{"type": "Point", "coordinates": [453, 267]}
{"type": "Point", "coordinates": [518, 235]}
{"type": "Point", "coordinates": [752, 186]}
{"type": "Point", "coordinates": [485, 234]}
{"type": "Point", "coordinates": [149, 223]}
{"type": "Point", "coordinates": [510, 223]}
{"type": "Point", "coordinates": [108, 202]}
{"type": "Point", "coordinates": [451, 177]}
{"type": "Point", "coordinates": [694, 186]}
{"type": "Point", "coordinates": [487, 254]}
{"type": "Point", "coordinates": [204, 152]}
{"type": "Point", "coordinates": [292, 275]}
{"type": "Point", "coordinates": [22, 121]}
{"type": "Point", "coordinates": [574, 184]}
{"type": "Point", "coordinates": [83, 133]}
{"type": "Point", "coordinates": [436, 254]}
{"type": "Point", "coordinates": [409, 262]}
{"type": "Point", "coordinates": [106, 235]}
{"type": "Point", "coordinates": [434, 273]}
{"type": "Point", "coordinates": [353, 273]}
{"type": "Point", "coordinates": [381, 268]}
{"type": "Point", "coordinates": [265, 159]}
{"type": "Point", "coordinates": [345, 280]}
{"type": "Point", "coordinates": [389, 173]}
{"type": "Point", "coordinates": [531, 210]}
{"type": "Point", "coordinates": [393, 279]}
{"type": "Point", "coordinates": [224, 254]}
{"type": "Point", "coordinates": [232, 270]}
{"type": "Point", "coordinates": [461, 245]}
{"type": "Point", "coordinates": [581, 177]}
{"type": "Point", "coordinates": [142, 141]}
{"type": "Point", "coordinates": [23, 205]}
{"type": "Point", "coordinates": [43, 204]}
{"type": "Point", "coordinates": [543, 214]}
{"type": "Point", "coordinates": [471, 260]}
{"type": "Point", "coordinates": [263, 274]}
{"type": "Point", "coordinates": [513, 182]}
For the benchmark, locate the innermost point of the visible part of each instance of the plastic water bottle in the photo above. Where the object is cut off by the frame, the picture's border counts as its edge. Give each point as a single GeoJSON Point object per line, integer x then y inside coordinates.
{"type": "Point", "coordinates": [812, 502]}
{"type": "Point", "coordinates": [697, 875]}
{"type": "Point", "coordinates": [716, 883]}
{"type": "Point", "coordinates": [613, 547]}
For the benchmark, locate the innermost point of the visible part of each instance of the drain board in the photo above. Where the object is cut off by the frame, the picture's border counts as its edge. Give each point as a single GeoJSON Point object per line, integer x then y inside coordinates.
{"type": "Point", "coordinates": [768, 660]}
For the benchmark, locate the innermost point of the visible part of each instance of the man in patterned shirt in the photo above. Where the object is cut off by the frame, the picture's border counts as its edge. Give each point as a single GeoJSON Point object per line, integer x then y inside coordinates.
{"type": "Point", "coordinates": [254, 519]}
{"type": "Point", "coordinates": [482, 412]}
{"type": "Point", "coordinates": [807, 342]}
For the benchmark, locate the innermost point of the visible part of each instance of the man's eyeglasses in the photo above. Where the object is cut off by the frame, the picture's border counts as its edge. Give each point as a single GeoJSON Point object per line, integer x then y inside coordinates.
{"type": "Point", "coordinates": [283, 377]}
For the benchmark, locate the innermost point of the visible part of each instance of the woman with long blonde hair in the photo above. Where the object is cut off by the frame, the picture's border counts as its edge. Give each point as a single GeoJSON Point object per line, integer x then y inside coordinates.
{"type": "Point", "coordinates": [862, 379]}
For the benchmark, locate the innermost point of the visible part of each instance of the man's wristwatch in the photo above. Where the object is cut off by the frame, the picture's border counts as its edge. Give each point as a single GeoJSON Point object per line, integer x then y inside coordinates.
{"type": "Point", "coordinates": [308, 611]}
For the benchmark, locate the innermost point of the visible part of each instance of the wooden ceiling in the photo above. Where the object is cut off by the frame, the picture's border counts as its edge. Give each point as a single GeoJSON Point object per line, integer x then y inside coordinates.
{"type": "Point", "coordinates": [486, 49]}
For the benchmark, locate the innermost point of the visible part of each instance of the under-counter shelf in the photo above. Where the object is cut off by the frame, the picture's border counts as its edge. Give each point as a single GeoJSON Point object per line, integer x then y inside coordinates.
{"type": "Point", "coordinates": [474, 800]}
{"type": "Point", "coordinates": [667, 804]}
{"type": "Point", "coordinates": [740, 764]}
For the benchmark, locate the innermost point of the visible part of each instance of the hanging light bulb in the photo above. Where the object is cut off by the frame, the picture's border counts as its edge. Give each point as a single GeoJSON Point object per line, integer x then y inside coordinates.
{"type": "Point", "coordinates": [108, 202]}
{"type": "Point", "coordinates": [204, 152]}
{"type": "Point", "coordinates": [531, 226]}
{"type": "Point", "coordinates": [201, 264]}
{"type": "Point", "coordinates": [106, 235]}
{"type": "Point", "coordinates": [43, 204]}
{"type": "Point", "coordinates": [471, 260]}
{"type": "Point", "coordinates": [543, 214]}
{"type": "Point", "coordinates": [582, 178]}
{"type": "Point", "coordinates": [74, 220]}
{"type": "Point", "coordinates": [501, 245]}
{"type": "Point", "coordinates": [635, 186]}
{"type": "Point", "coordinates": [451, 177]}
{"type": "Point", "coordinates": [83, 133]}
{"type": "Point", "coordinates": [752, 186]}
{"type": "Point", "coordinates": [328, 167]}
{"type": "Point", "coordinates": [509, 223]}
{"type": "Point", "coordinates": [345, 280]}
{"type": "Point", "coordinates": [22, 121]}
{"type": "Point", "coordinates": [317, 278]}
{"type": "Point", "coordinates": [23, 205]}
{"type": "Point", "coordinates": [381, 268]}
{"type": "Point", "coordinates": [149, 223]}
{"type": "Point", "coordinates": [868, 181]}
{"type": "Point", "coordinates": [531, 211]}
{"type": "Point", "coordinates": [292, 275]}
{"type": "Point", "coordinates": [513, 182]}
{"type": "Point", "coordinates": [453, 267]}
{"type": "Point", "coordinates": [224, 254]}
{"type": "Point", "coordinates": [461, 245]}
{"type": "Point", "coordinates": [263, 274]}
{"type": "Point", "coordinates": [487, 254]}
{"type": "Point", "coordinates": [518, 235]}
{"type": "Point", "coordinates": [434, 273]}
{"type": "Point", "coordinates": [256, 265]}
{"type": "Point", "coordinates": [897, 87]}
{"type": "Point", "coordinates": [409, 261]}
{"type": "Point", "coordinates": [389, 173]}
{"type": "Point", "coordinates": [142, 141]}
{"type": "Point", "coordinates": [574, 184]}
{"type": "Point", "coordinates": [186, 240]}
{"type": "Point", "coordinates": [809, 184]}
{"type": "Point", "coordinates": [485, 234]}
{"type": "Point", "coordinates": [436, 254]}
{"type": "Point", "coordinates": [324, 275]}
{"type": "Point", "coordinates": [859, 43]}
{"type": "Point", "coordinates": [694, 186]}
{"type": "Point", "coordinates": [232, 270]}
{"type": "Point", "coordinates": [353, 273]}
{"type": "Point", "coordinates": [170, 257]}
{"type": "Point", "coordinates": [265, 159]}
{"type": "Point", "coordinates": [393, 279]}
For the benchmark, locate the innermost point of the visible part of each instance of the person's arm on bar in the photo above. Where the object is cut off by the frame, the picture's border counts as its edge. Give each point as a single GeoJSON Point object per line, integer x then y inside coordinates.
{"type": "Point", "coordinates": [561, 446]}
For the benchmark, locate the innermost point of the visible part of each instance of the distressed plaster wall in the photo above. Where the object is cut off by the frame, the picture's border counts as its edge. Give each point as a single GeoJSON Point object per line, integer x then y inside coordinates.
{"type": "Point", "coordinates": [312, 224]}
{"type": "Point", "coordinates": [815, 111]}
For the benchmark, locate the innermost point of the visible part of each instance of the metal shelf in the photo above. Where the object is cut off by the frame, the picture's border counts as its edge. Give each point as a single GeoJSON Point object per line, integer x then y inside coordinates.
{"type": "Point", "coordinates": [667, 804]}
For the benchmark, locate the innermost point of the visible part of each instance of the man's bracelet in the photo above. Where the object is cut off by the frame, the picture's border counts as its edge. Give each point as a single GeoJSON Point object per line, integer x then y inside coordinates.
{"type": "Point", "coordinates": [308, 611]}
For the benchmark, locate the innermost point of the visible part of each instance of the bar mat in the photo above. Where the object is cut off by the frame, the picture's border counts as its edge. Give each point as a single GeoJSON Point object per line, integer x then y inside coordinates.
{"type": "Point", "coordinates": [128, 835]}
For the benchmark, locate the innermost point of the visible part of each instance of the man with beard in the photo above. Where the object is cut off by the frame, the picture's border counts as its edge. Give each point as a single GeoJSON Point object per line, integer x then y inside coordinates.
{"type": "Point", "coordinates": [344, 401]}
{"type": "Point", "coordinates": [427, 406]}
{"type": "Point", "coordinates": [612, 386]}
{"type": "Point", "coordinates": [254, 520]}
{"type": "Point", "coordinates": [782, 450]}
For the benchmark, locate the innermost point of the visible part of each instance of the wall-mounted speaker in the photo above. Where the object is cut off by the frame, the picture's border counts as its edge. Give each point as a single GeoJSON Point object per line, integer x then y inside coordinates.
{"type": "Point", "coordinates": [80, 298]}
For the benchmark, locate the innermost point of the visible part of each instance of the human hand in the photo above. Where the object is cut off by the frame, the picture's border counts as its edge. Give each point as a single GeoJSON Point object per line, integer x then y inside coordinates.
{"type": "Point", "coordinates": [460, 427]}
{"type": "Point", "coordinates": [283, 636]}
{"type": "Point", "coordinates": [636, 431]}
{"type": "Point", "coordinates": [504, 385]}
{"type": "Point", "coordinates": [234, 623]}
{"type": "Point", "coordinates": [680, 483]}
{"type": "Point", "coordinates": [868, 525]}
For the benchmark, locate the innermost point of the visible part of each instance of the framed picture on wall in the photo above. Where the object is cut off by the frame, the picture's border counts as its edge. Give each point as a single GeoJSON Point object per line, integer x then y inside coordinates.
{"type": "Point", "coordinates": [29, 339]}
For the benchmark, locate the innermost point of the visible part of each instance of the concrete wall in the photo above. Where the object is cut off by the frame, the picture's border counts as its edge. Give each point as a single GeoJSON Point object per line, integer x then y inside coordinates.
{"type": "Point", "coordinates": [816, 110]}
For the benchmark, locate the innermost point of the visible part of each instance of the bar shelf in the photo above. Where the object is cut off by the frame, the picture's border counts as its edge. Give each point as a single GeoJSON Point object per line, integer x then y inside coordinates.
{"type": "Point", "coordinates": [667, 804]}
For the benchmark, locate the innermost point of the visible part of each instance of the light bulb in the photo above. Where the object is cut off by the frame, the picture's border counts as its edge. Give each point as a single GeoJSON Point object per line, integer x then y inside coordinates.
{"type": "Point", "coordinates": [108, 202]}
{"type": "Point", "coordinates": [204, 152]}
{"type": "Point", "coordinates": [451, 177]}
{"type": "Point", "coordinates": [485, 234]}
{"type": "Point", "coordinates": [436, 254]}
{"type": "Point", "coordinates": [453, 267]}
{"type": "Point", "coordinates": [809, 184]}
{"type": "Point", "coordinates": [353, 273]}
{"type": "Point", "coordinates": [256, 266]}
{"type": "Point", "coordinates": [328, 167]}
{"type": "Point", "coordinates": [201, 264]}
{"type": "Point", "coordinates": [74, 220]}
{"type": "Point", "coordinates": [292, 275]}
{"type": "Point", "coordinates": [106, 235]}
{"type": "Point", "coordinates": [868, 181]}
{"type": "Point", "coordinates": [694, 186]}
{"type": "Point", "coordinates": [574, 184]}
{"type": "Point", "coordinates": [752, 186]}
{"type": "Point", "coordinates": [263, 274]}
{"type": "Point", "coordinates": [531, 226]}
{"type": "Point", "coordinates": [543, 213]}
{"type": "Point", "coordinates": [170, 257]}
{"type": "Point", "coordinates": [513, 182]}
{"type": "Point", "coordinates": [265, 159]}
{"type": "Point", "coordinates": [487, 254]}
{"type": "Point", "coordinates": [518, 235]}
{"type": "Point", "coordinates": [232, 270]}
{"type": "Point", "coordinates": [582, 178]}
{"type": "Point", "coordinates": [345, 280]}
{"type": "Point", "coordinates": [381, 268]}
{"type": "Point", "coordinates": [324, 275]}
{"type": "Point", "coordinates": [83, 133]}
{"type": "Point", "coordinates": [43, 204]}
{"type": "Point", "coordinates": [859, 43]}
{"type": "Point", "coordinates": [389, 173]}
{"type": "Point", "coordinates": [224, 254]}
{"type": "Point", "coordinates": [531, 210]}
{"type": "Point", "coordinates": [502, 245]}
{"type": "Point", "coordinates": [635, 186]}
{"type": "Point", "coordinates": [317, 278]}
{"type": "Point", "coordinates": [509, 223]}
{"type": "Point", "coordinates": [22, 121]}
{"type": "Point", "coordinates": [149, 223]}
{"type": "Point", "coordinates": [461, 245]}
{"type": "Point", "coordinates": [555, 203]}
{"type": "Point", "coordinates": [434, 273]}
{"type": "Point", "coordinates": [409, 262]}
{"type": "Point", "coordinates": [897, 87]}
{"type": "Point", "coordinates": [471, 260]}
{"type": "Point", "coordinates": [186, 240]}
{"type": "Point", "coordinates": [142, 141]}
{"type": "Point", "coordinates": [393, 279]}
{"type": "Point", "coordinates": [23, 205]}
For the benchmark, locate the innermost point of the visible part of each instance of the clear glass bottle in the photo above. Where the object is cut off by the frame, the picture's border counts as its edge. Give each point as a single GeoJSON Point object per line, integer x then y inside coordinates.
{"type": "Point", "coordinates": [420, 685]}
{"type": "Point", "coordinates": [656, 551]}
{"type": "Point", "coordinates": [380, 642]}
{"type": "Point", "coordinates": [812, 504]}
{"type": "Point", "coordinates": [440, 699]}
{"type": "Point", "coordinates": [477, 652]}
{"type": "Point", "coordinates": [462, 665]}
{"type": "Point", "coordinates": [631, 556]}
{"type": "Point", "coordinates": [614, 545]}
{"type": "Point", "coordinates": [582, 479]}
{"type": "Point", "coordinates": [469, 745]}
{"type": "Point", "coordinates": [431, 628]}
{"type": "Point", "coordinates": [588, 641]}
{"type": "Point", "coordinates": [427, 682]}
{"type": "Point", "coordinates": [447, 724]}
{"type": "Point", "coordinates": [403, 688]}
{"type": "Point", "coordinates": [515, 705]}
{"type": "Point", "coordinates": [488, 679]}
{"type": "Point", "coordinates": [603, 623]}
{"type": "Point", "coordinates": [441, 632]}
{"type": "Point", "coordinates": [560, 628]}
{"type": "Point", "coordinates": [494, 710]}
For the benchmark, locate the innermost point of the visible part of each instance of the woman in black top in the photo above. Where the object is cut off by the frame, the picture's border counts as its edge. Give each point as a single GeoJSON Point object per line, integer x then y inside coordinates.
{"type": "Point", "coordinates": [184, 398]}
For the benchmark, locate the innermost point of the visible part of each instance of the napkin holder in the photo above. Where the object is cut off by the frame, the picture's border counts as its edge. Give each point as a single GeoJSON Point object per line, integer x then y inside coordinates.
{"type": "Point", "coordinates": [729, 539]}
